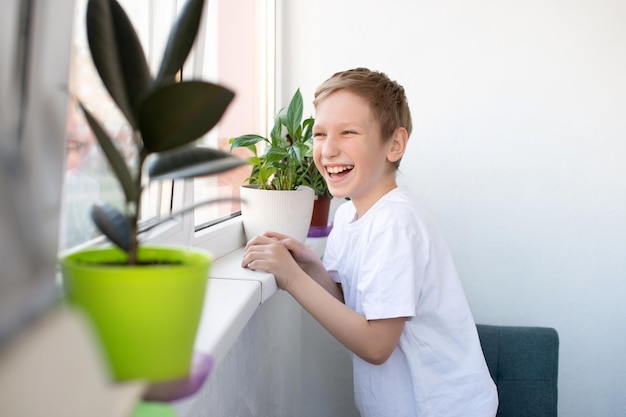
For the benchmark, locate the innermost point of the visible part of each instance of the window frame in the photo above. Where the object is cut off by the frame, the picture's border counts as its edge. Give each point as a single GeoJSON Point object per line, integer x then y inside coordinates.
{"type": "Point", "coordinates": [227, 235]}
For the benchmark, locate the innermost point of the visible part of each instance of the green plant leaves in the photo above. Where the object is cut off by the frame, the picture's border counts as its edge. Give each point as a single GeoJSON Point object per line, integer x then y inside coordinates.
{"type": "Point", "coordinates": [287, 160]}
{"type": "Point", "coordinates": [294, 114]}
{"type": "Point", "coordinates": [307, 130]}
{"type": "Point", "coordinates": [180, 39]}
{"type": "Point", "coordinates": [276, 135]}
{"type": "Point", "coordinates": [112, 223]}
{"type": "Point", "coordinates": [191, 162]}
{"type": "Point", "coordinates": [163, 115]}
{"type": "Point", "coordinates": [177, 114]}
{"type": "Point", "coordinates": [246, 141]}
{"type": "Point", "coordinates": [116, 161]}
{"type": "Point", "coordinates": [117, 55]}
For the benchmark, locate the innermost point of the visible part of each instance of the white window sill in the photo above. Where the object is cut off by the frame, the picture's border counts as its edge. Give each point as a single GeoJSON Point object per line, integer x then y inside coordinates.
{"type": "Point", "coordinates": [233, 295]}
{"type": "Point", "coordinates": [229, 267]}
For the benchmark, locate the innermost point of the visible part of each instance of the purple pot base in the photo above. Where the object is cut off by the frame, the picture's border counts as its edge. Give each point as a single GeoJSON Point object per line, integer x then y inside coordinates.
{"type": "Point", "coordinates": [201, 367]}
{"type": "Point", "coordinates": [320, 231]}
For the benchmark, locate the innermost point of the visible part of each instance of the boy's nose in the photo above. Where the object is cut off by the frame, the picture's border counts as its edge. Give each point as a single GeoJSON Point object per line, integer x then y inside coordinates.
{"type": "Point", "coordinates": [329, 147]}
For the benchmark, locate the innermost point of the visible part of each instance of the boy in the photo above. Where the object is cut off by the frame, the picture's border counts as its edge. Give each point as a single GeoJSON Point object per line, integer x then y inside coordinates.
{"type": "Point", "coordinates": [387, 288]}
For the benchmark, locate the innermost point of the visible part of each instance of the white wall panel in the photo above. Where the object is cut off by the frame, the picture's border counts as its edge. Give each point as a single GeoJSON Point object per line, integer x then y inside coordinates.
{"type": "Point", "coordinates": [518, 148]}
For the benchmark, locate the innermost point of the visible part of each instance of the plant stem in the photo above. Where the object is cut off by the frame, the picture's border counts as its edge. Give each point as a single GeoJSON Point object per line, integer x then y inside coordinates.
{"type": "Point", "coordinates": [136, 205]}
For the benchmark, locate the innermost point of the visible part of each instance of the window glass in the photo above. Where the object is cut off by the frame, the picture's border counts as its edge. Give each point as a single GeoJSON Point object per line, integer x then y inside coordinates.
{"type": "Point", "coordinates": [232, 49]}
{"type": "Point", "coordinates": [239, 54]}
{"type": "Point", "coordinates": [87, 178]}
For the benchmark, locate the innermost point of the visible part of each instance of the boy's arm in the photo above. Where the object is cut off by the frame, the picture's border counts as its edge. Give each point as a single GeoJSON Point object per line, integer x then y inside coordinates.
{"type": "Point", "coordinates": [371, 340]}
{"type": "Point", "coordinates": [320, 275]}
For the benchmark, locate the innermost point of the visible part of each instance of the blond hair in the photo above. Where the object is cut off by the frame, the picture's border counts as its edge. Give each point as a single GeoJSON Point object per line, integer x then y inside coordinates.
{"type": "Point", "coordinates": [386, 98]}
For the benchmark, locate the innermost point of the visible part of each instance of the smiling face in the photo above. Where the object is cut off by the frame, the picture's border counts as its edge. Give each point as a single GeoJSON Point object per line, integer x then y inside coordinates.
{"type": "Point", "coordinates": [349, 151]}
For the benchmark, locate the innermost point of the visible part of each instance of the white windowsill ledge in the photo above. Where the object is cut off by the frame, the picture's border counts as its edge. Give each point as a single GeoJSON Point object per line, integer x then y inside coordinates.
{"type": "Point", "coordinates": [233, 294]}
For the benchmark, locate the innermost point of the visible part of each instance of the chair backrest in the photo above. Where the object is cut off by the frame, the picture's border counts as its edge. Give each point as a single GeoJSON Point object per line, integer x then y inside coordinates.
{"type": "Point", "coordinates": [524, 364]}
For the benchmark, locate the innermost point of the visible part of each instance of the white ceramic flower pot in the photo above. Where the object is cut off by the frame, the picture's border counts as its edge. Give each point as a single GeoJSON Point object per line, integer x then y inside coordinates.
{"type": "Point", "coordinates": [286, 212]}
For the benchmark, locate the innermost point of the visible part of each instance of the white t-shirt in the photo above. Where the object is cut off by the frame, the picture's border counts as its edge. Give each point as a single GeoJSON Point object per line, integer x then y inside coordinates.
{"type": "Point", "coordinates": [393, 262]}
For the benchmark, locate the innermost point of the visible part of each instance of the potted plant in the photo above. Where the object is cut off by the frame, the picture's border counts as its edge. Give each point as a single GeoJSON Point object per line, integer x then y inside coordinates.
{"type": "Point", "coordinates": [312, 177]}
{"type": "Point", "coordinates": [286, 165]}
{"type": "Point", "coordinates": [145, 302]}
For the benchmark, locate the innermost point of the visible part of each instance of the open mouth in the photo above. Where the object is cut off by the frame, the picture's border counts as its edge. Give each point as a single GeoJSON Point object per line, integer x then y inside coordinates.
{"type": "Point", "coordinates": [338, 171]}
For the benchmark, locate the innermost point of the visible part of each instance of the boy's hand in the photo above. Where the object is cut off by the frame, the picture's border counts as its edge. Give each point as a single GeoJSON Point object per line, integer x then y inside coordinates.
{"type": "Point", "coordinates": [304, 255]}
{"type": "Point", "coordinates": [269, 254]}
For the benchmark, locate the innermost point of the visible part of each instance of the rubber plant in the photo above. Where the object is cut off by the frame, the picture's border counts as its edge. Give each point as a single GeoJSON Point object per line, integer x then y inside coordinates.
{"type": "Point", "coordinates": [166, 116]}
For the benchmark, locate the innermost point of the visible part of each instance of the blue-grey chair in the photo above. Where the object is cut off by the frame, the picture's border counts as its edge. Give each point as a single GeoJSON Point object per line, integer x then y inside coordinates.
{"type": "Point", "coordinates": [524, 364]}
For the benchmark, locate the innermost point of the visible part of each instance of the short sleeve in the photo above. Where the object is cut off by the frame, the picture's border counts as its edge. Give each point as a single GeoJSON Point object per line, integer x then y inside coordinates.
{"type": "Point", "coordinates": [392, 271]}
{"type": "Point", "coordinates": [336, 240]}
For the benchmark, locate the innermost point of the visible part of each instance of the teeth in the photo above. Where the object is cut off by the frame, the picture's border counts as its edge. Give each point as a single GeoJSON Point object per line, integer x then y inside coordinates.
{"type": "Point", "coordinates": [337, 170]}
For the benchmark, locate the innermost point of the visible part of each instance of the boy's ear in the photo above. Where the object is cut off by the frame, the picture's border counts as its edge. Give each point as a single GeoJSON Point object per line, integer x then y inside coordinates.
{"type": "Point", "coordinates": [399, 140]}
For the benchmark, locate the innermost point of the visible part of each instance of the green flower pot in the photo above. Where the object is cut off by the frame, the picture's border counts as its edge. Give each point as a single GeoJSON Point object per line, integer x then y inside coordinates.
{"type": "Point", "coordinates": [146, 316]}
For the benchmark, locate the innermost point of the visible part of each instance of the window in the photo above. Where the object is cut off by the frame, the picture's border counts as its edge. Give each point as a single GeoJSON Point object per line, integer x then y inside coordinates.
{"type": "Point", "coordinates": [87, 178]}
{"type": "Point", "coordinates": [239, 53]}
{"type": "Point", "coordinates": [232, 49]}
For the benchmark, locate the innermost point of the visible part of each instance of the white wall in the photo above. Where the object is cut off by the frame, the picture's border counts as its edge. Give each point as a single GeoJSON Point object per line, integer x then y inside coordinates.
{"type": "Point", "coordinates": [260, 375]}
{"type": "Point", "coordinates": [519, 148]}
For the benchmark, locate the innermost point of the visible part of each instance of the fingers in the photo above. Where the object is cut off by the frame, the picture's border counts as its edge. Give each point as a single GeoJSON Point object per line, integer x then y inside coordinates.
{"type": "Point", "coordinates": [260, 240]}
{"type": "Point", "coordinates": [251, 253]}
{"type": "Point", "coordinates": [250, 261]}
{"type": "Point", "coordinates": [262, 249]}
{"type": "Point", "coordinates": [276, 235]}
{"type": "Point", "coordinates": [270, 250]}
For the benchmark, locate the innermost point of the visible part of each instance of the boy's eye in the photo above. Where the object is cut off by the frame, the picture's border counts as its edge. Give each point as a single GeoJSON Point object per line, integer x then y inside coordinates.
{"type": "Point", "coordinates": [318, 134]}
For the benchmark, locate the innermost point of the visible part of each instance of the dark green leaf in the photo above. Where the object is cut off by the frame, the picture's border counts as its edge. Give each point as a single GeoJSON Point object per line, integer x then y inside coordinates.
{"type": "Point", "coordinates": [191, 162]}
{"type": "Point", "coordinates": [116, 161]}
{"type": "Point", "coordinates": [274, 154]}
{"type": "Point", "coordinates": [295, 155]}
{"type": "Point", "coordinates": [181, 39]}
{"type": "Point", "coordinates": [294, 114]}
{"type": "Point", "coordinates": [245, 141]}
{"type": "Point", "coordinates": [117, 55]}
{"type": "Point", "coordinates": [277, 130]}
{"type": "Point", "coordinates": [177, 114]}
{"type": "Point", "coordinates": [307, 125]}
{"type": "Point", "coordinates": [113, 224]}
